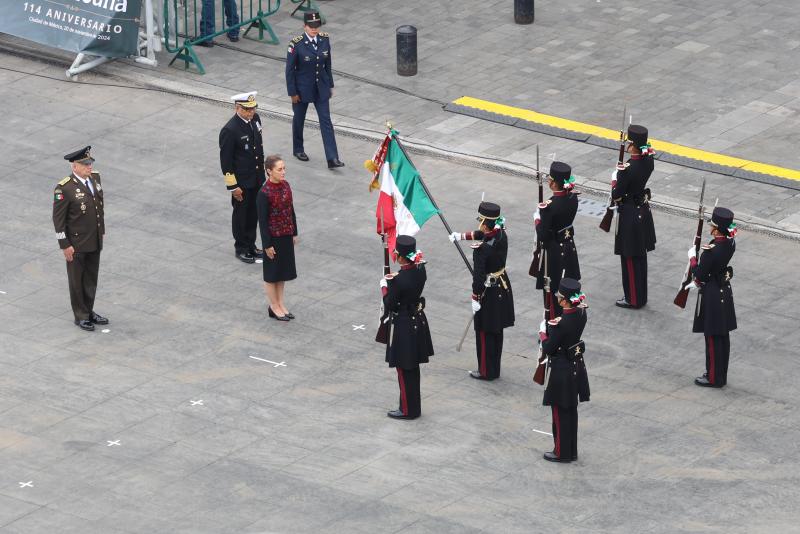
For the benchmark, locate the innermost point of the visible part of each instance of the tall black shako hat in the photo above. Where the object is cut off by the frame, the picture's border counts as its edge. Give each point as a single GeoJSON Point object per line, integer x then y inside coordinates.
{"type": "Point", "coordinates": [80, 156]}
{"type": "Point", "coordinates": [637, 135]}
{"type": "Point", "coordinates": [488, 213]}
{"type": "Point", "coordinates": [561, 173]}
{"type": "Point", "coordinates": [405, 245]}
{"type": "Point", "coordinates": [722, 219]}
{"type": "Point", "coordinates": [312, 19]}
{"type": "Point", "coordinates": [570, 289]}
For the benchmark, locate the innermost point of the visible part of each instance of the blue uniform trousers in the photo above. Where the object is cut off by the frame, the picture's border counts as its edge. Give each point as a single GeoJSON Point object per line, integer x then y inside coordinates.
{"type": "Point", "coordinates": [325, 125]}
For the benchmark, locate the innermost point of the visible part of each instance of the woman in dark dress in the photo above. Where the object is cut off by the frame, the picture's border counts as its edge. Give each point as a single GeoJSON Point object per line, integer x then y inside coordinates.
{"type": "Point", "coordinates": [278, 226]}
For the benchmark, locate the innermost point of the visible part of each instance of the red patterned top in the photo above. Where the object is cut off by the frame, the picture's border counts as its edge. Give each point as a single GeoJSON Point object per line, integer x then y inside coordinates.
{"type": "Point", "coordinates": [277, 212]}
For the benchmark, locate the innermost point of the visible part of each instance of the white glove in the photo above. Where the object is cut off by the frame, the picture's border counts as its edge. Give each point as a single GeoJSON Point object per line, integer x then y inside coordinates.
{"type": "Point", "coordinates": [537, 216]}
{"type": "Point", "coordinates": [383, 283]}
{"type": "Point", "coordinates": [691, 285]}
{"type": "Point", "coordinates": [455, 236]}
{"type": "Point", "coordinates": [614, 177]}
{"type": "Point", "coordinates": [543, 326]}
{"type": "Point", "coordinates": [476, 306]}
{"type": "Point", "coordinates": [692, 253]}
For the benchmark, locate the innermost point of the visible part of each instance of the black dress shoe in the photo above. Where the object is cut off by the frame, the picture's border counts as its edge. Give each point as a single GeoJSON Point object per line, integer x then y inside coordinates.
{"type": "Point", "coordinates": [85, 324]}
{"type": "Point", "coordinates": [398, 414]}
{"type": "Point", "coordinates": [233, 38]}
{"type": "Point", "coordinates": [702, 381]}
{"type": "Point", "coordinates": [245, 257]}
{"type": "Point", "coordinates": [277, 317]}
{"type": "Point", "coordinates": [206, 44]}
{"type": "Point", "coordinates": [301, 156]}
{"type": "Point", "coordinates": [290, 315]}
{"type": "Point", "coordinates": [257, 254]}
{"type": "Point", "coordinates": [333, 163]}
{"type": "Point", "coordinates": [622, 303]}
{"type": "Point", "coordinates": [97, 319]}
{"type": "Point", "coordinates": [477, 375]}
{"type": "Point", "coordinates": [551, 457]}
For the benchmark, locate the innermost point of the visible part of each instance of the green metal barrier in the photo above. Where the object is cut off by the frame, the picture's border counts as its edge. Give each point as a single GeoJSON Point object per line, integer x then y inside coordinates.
{"type": "Point", "coordinates": [186, 15]}
{"type": "Point", "coordinates": [306, 5]}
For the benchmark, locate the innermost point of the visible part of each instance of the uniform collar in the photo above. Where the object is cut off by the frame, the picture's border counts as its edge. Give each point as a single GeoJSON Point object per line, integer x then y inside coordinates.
{"type": "Point", "coordinates": [311, 39]}
{"type": "Point", "coordinates": [408, 266]}
{"type": "Point", "coordinates": [491, 233]}
{"type": "Point", "coordinates": [720, 239]}
{"type": "Point", "coordinates": [561, 193]}
{"type": "Point", "coordinates": [636, 157]}
{"type": "Point", "coordinates": [569, 310]}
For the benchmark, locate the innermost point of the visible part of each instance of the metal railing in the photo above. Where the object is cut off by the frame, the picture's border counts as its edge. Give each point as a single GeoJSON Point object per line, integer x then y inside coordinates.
{"type": "Point", "coordinates": [183, 19]}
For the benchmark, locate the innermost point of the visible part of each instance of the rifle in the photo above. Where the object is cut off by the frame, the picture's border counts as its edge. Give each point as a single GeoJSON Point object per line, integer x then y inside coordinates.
{"type": "Point", "coordinates": [534, 268]}
{"type": "Point", "coordinates": [382, 336]}
{"type": "Point", "coordinates": [605, 224]}
{"type": "Point", "coordinates": [683, 292]}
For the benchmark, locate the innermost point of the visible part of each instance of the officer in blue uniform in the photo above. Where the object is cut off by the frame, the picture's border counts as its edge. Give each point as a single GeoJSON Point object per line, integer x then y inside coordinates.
{"type": "Point", "coordinates": [309, 79]}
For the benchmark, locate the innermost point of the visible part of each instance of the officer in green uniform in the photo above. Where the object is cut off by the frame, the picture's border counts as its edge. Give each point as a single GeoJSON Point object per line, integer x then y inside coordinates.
{"type": "Point", "coordinates": [78, 221]}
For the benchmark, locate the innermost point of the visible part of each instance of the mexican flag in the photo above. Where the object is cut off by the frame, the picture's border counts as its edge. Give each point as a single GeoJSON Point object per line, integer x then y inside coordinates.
{"type": "Point", "coordinates": [403, 204]}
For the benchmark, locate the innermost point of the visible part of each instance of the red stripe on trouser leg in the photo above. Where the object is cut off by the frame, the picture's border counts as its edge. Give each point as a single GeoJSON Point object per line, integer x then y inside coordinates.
{"type": "Point", "coordinates": [557, 437]}
{"type": "Point", "coordinates": [711, 363]}
{"type": "Point", "coordinates": [403, 398]}
{"type": "Point", "coordinates": [631, 282]}
{"type": "Point", "coordinates": [483, 353]}
{"type": "Point", "coordinates": [550, 308]}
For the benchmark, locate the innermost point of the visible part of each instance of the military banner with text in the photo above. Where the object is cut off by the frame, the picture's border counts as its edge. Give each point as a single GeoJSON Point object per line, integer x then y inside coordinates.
{"type": "Point", "coordinates": [108, 28]}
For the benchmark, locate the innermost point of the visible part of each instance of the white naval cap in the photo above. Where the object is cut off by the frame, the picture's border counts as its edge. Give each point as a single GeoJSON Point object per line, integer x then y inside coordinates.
{"type": "Point", "coordinates": [246, 100]}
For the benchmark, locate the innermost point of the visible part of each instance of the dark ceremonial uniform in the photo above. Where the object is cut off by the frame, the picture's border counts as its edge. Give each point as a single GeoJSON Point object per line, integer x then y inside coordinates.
{"type": "Point", "coordinates": [567, 379]}
{"type": "Point", "coordinates": [559, 257]}
{"type": "Point", "coordinates": [410, 336]}
{"type": "Point", "coordinates": [309, 76]}
{"type": "Point", "coordinates": [79, 223]}
{"type": "Point", "coordinates": [714, 314]}
{"type": "Point", "coordinates": [492, 288]}
{"type": "Point", "coordinates": [635, 233]}
{"type": "Point", "coordinates": [241, 156]}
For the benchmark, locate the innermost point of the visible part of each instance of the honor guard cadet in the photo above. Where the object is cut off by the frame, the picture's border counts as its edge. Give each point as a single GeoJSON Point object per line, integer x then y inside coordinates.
{"type": "Point", "coordinates": [567, 381]}
{"type": "Point", "coordinates": [553, 220]}
{"type": "Point", "coordinates": [241, 156]}
{"type": "Point", "coordinates": [715, 315]}
{"type": "Point", "coordinates": [492, 299]}
{"type": "Point", "coordinates": [635, 232]}
{"type": "Point", "coordinates": [409, 335]}
{"type": "Point", "coordinates": [78, 220]}
{"type": "Point", "coordinates": [309, 79]}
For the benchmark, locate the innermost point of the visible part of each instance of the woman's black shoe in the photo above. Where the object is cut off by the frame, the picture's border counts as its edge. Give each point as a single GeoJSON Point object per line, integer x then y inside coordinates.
{"type": "Point", "coordinates": [277, 318]}
{"type": "Point", "coordinates": [290, 315]}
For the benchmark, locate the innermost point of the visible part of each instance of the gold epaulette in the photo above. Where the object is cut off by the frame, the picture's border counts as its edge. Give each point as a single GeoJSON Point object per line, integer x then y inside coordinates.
{"type": "Point", "coordinates": [296, 40]}
{"type": "Point", "coordinates": [324, 34]}
{"type": "Point", "coordinates": [65, 180]}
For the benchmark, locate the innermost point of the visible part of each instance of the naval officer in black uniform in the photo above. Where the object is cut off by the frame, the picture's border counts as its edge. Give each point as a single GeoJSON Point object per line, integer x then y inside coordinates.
{"type": "Point", "coordinates": [309, 79]}
{"type": "Point", "coordinates": [241, 156]}
{"type": "Point", "coordinates": [79, 225]}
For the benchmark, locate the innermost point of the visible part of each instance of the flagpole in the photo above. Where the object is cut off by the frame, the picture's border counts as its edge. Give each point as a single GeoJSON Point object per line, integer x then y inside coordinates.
{"type": "Point", "coordinates": [435, 205]}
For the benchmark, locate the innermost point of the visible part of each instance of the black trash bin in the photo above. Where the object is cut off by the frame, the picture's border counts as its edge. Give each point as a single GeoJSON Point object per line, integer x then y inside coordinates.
{"type": "Point", "coordinates": [407, 51]}
{"type": "Point", "coordinates": [523, 11]}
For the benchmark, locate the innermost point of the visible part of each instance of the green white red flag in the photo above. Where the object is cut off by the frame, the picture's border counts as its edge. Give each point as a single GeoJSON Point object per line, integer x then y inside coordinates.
{"type": "Point", "coordinates": [403, 202]}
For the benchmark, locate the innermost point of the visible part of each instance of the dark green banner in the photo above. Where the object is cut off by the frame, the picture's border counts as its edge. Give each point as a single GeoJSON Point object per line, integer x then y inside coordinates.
{"type": "Point", "coordinates": [99, 27]}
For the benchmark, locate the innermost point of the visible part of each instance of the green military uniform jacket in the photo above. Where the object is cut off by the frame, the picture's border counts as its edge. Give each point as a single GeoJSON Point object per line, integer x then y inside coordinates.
{"type": "Point", "coordinates": [78, 215]}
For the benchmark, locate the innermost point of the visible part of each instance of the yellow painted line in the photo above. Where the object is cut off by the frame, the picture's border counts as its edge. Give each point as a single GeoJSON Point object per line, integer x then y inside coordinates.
{"type": "Point", "coordinates": [661, 146]}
